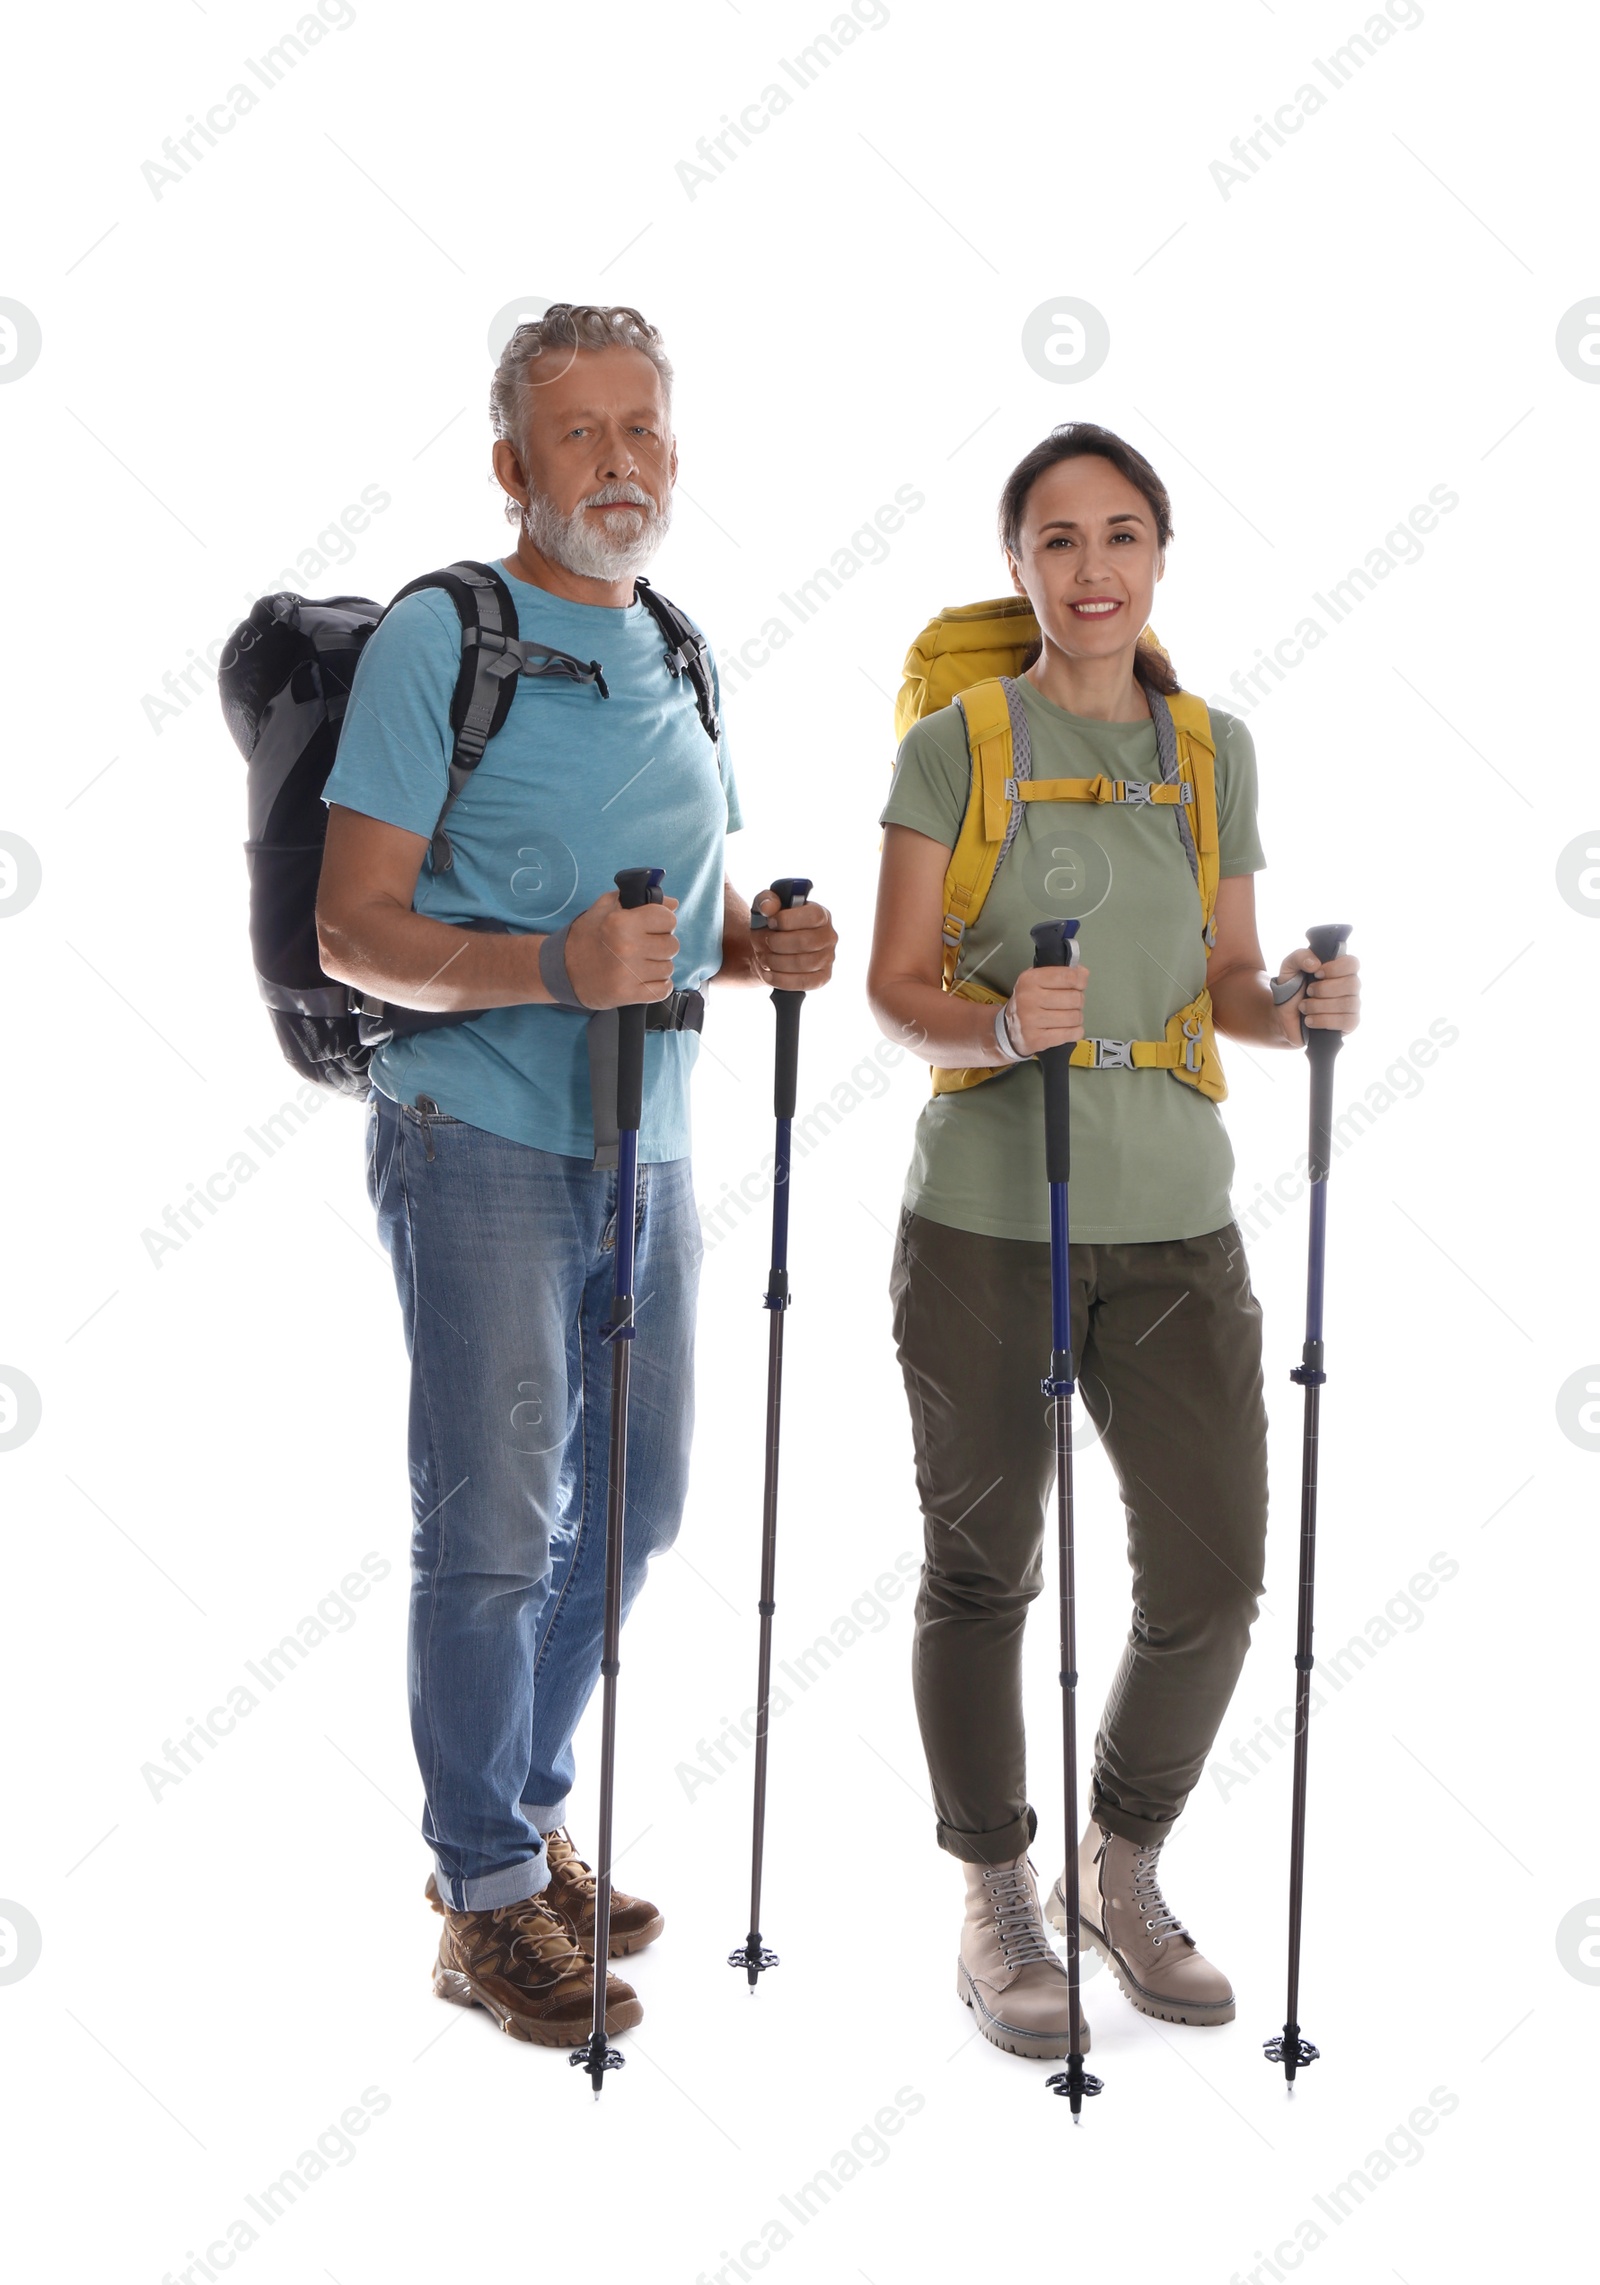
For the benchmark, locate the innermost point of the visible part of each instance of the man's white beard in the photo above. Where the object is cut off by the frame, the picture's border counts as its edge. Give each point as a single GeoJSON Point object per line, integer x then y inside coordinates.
{"type": "Point", "coordinates": [605, 548]}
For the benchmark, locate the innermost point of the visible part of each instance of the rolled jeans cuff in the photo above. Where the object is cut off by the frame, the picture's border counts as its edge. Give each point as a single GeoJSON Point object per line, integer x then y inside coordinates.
{"type": "Point", "coordinates": [546, 1820]}
{"type": "Point", "coordinates": [553, 970]}
{"type": "Point", "coordinates": [509, 1884]}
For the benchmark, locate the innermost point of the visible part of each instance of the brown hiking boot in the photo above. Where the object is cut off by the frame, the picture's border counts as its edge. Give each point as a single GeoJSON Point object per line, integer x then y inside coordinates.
{"type": "Point", "coordinates": [573, 1885]}
{"type": "Point", "coordinates": [1125, 1917]}
{"type": "Point", "coordinates": [571, 1892]}
{"type": "Point", "coordinates": [521, 1964]}
{"type": "Point", "coordinates": [1006, 1971]}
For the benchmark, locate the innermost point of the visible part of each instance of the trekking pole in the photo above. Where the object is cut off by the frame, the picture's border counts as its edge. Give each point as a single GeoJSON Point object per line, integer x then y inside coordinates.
{"type": "Point", "coordinates": [753, 1955]}
{"type": "Point", "coordinates": [639, 884]}
{"type": "Point", "coordinates": [1289, 2048]}
{"type": "Point", "coordinates": [1054, 947]}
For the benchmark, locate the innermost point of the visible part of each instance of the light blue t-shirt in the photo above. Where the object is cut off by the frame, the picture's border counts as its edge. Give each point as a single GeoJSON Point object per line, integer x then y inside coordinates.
{"type": "Point", "coordinates": [572, 789]}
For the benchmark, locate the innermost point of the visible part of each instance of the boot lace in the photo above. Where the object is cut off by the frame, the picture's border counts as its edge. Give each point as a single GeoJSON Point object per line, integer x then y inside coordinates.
{"type": "Point", "coordinates": [565, 1861]}
{"type": "Point", "coordinates": [540, 1936]}
{"type": "Point", "coordinates": [1016, 1917]}
{"type": "Point", "coordinates": [1160, 1921]}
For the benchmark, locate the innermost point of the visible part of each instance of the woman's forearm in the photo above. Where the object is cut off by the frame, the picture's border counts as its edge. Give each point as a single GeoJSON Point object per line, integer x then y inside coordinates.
{"type": "Point", "coordinates": [933, 1024]}
{"type": "Point", "coordinates": [1242, 1007]}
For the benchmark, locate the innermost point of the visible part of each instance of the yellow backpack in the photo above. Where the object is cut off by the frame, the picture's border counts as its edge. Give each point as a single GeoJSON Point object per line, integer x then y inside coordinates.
{"type": "Point", "coordinates": [970, 656]}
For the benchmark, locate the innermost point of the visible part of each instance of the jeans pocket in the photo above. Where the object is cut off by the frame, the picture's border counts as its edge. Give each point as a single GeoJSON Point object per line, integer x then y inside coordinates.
{"type": "Point", "coordinates": [425, 1115]}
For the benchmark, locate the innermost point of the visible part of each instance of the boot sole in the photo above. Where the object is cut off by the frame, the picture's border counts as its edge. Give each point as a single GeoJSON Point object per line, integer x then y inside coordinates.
{"type": "Point", "coordinates": [619, 1946]}
{"type": "Point", "coordinates": [1033, 2045]}
{"type": "Point", "coordinates": [1147, 2002]}
{"type": "Point", "coordinates": [461, 1991]}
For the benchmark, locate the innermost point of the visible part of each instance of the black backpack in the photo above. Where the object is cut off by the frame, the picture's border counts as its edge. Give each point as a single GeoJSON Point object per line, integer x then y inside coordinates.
{"type": "Point", "coordinates": [285, 679]}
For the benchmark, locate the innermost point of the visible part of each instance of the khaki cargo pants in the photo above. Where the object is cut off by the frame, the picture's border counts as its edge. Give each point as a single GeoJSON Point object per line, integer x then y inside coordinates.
{"type": "Point", "coordinates": [1166, 1339]}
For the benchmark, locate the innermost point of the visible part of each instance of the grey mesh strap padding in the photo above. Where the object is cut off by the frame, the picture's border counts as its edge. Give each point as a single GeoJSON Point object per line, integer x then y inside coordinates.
{"type": "Point", "coordinates": [472, 734]}
{"type": "Point", "coordinates": [1021, 761]}
{"type": "Point", "coordinates": [493, 646]}
{"type": "Point", "coordinates": [1167, 753]}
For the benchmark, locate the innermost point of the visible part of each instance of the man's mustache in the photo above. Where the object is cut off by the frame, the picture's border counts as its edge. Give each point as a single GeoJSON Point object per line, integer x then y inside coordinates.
{"type": "Point", "coordinates": [621, 496]}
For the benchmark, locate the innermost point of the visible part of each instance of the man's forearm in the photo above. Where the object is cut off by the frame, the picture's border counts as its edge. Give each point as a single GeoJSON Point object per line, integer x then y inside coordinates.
{"type": "Point", "coordinates": [413, 962]}
{"type": "Point", "coordinates": [738, 945]}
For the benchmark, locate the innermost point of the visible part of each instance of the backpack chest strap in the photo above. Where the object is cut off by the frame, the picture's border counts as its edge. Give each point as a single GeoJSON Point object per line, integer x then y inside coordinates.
{"type": "Point", "coordinates": [1137, 793]}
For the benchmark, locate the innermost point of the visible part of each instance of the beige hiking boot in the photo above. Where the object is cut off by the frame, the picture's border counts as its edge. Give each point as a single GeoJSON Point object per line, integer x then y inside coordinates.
{"type": "Point", "coordinates": [1147, 1948]}
{"type": "Point", "coordinates": [521, 1964]}
{"type": "Point", "coordinates": [1007, 1973]}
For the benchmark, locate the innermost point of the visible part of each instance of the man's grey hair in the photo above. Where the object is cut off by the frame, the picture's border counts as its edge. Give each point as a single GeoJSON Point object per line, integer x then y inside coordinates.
{"type": "Point", "coordinates": [564, 328]}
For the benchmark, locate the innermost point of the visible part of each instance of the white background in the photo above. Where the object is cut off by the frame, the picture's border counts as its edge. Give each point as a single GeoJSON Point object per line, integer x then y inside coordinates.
{"type": "Point", "coordinates": [306, 312]}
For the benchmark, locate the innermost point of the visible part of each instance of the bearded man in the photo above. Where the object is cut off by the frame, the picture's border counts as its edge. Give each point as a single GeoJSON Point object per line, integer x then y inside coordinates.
{"type": "Point", "coordinates": [494, 1203]}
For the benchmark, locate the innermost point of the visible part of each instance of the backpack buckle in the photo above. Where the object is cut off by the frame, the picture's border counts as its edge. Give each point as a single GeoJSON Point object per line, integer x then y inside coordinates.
{"type": "Point", "coordinates": [1193, 1031]}
{"type": "Point", "coordinates": [953, 929]}
{"type": "Point", "coordinates": [1112, 1054]}
{"type": "Point", "coordinates": [1133, 790]}
{"type": "Point", "coordinates": [1010, 790]}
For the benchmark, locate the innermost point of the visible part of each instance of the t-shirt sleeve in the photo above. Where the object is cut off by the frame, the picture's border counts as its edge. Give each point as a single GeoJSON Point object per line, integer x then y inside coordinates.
{"type": "Point", "coordinates": [393, 761]}
{"type": "Point", "coordinates": [1238, 842]}
{"type": "Point", "coordinates": [932, 778]}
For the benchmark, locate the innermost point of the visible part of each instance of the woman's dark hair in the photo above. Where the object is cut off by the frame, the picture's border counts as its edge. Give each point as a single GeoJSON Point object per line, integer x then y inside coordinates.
{"type": "Point", "coordinates": [1082, 440]}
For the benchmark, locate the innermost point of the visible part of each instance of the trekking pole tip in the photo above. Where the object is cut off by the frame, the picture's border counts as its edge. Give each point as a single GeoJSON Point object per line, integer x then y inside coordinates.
{"type": "Point", "coordinates": [1291, 2050]}
{"type": "Point", "coordinates": [595, 2058]}
{"type": "Point", "coordinates": [753, 1956]}
{"type": "Point", "coordinates": [1075, 2082]}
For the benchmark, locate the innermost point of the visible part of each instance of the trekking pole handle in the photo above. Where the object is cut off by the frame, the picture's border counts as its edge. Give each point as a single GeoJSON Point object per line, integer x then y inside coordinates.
{"type": "Point", "coordinates": [789, 891]}
{"type": "Point", "coordinates": [1055, 946]}
{"type": "Point", "coordinates": [636, 885]}
{"type": "Point", "coordinates": [639, 884]}
{"type": "Point", "coordinates": [1328, 939]}
{"type": "Point", "coordinates": [1327, 942]}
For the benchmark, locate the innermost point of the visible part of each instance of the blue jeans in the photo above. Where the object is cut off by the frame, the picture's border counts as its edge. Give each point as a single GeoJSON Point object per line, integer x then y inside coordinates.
{"type": "Point", "coordinates": [503, 1259]}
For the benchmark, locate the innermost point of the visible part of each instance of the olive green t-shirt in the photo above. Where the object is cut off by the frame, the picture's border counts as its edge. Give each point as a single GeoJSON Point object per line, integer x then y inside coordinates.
{"type": "Point", "coordinates": [1150, 1156]}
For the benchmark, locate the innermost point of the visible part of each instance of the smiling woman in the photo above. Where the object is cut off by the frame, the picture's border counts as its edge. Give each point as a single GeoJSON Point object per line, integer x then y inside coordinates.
{"type": "Point", "coordinates": [1074, 779]}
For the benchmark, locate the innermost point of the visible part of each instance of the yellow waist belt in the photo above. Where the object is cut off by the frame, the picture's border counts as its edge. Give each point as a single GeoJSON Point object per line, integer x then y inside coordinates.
{"type": "Point", "coordinates": [1189, 1050]}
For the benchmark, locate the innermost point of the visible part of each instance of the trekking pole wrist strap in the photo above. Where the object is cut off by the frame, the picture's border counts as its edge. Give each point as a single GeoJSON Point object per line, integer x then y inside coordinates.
{"type": "Point", "coordinates": [553, 969]}
{"type": "Point", "coordinates": [1002, 1035]}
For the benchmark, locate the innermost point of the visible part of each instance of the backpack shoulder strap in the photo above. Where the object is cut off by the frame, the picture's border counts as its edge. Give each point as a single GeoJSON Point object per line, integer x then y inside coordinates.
{"type": "Point", "coordinates": [1197, 754]}
{"type": "Point", "coordinates": [486, 681]}
{"type": "Point", "coordinates": [688, 653]}
{"type": "Point", "coordinates": [986, 712]}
